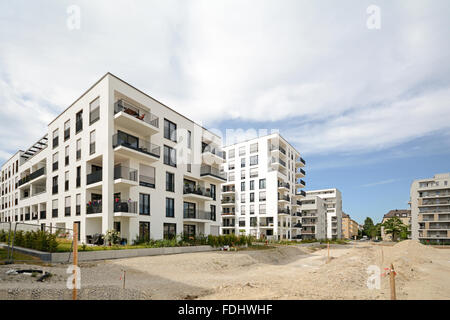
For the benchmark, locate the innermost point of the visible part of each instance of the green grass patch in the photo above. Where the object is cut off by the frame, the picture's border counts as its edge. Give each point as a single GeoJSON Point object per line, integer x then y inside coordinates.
{"type": "Point", "coordinates": [17, 256]}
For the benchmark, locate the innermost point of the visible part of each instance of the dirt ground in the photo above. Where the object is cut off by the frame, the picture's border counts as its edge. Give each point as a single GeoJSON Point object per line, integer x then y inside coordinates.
{"type": "Point", "coordinates": [285, 272]}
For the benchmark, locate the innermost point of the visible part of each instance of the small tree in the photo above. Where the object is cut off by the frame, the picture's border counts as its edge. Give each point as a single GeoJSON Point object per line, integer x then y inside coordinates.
{"type": "Point", "coordinates": [395, 227]}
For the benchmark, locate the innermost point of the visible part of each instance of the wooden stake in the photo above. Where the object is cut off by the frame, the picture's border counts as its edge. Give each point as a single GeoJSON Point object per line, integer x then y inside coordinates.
{"type": "Point", "coordinates": [382, 256]}
{"type": "Point", "coordinates": [328, 246]}
{"type": "Point", "coordinates": [75, 260]}
{"type": "Point", "coordinates": [392, 282]}
{"type": "Point", "coordinates": [124, 273]}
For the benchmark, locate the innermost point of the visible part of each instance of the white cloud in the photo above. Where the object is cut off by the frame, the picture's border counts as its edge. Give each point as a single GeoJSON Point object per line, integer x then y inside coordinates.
{"type": "Point", "coordinates": [379, 183]}
{"type": "Point", "coordinates": [351, 89]}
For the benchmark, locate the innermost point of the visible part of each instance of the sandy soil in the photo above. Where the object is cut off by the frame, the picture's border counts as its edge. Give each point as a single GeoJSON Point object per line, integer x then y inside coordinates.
{"type": "Point", "coordinates": [287, 272]}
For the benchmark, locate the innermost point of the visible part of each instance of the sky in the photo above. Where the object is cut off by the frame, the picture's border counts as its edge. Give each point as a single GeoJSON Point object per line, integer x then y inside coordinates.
{"type": "Point", "coordinates": [363, 95]}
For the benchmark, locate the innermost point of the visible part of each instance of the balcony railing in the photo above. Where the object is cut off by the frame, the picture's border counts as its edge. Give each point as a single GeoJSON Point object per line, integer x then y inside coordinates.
{"type": "Point", "coordinates": [146, 181]}
{"type": "Point", "coordinates": [37, 190]}
{"type": "Point", "coordinates": [94, 177]}
{"type": "Point", "coordinates": [228, 200]}
{"type": "Point", "coordinates": [278, 160]}
{"type": "Point", "coordinates": [147, 117]}
{"type": "Point", "coordinates": [300, 170]}
{"type": "Point", "coordinates": [279, 148]}
{"type": "Point", "coordinates": [121, 172]}
{"type": "Point", "coordinates": [300, 159]}
{"type": "Point", "coordinates": [214, 150]}
{"type": "Point", "coordinates": [301, 193]}
{"type": "Point", "coordinates": [200, 214]}
{"type": "Point", "coordinates": [285, 198]}
{"type": "Point", "coordinates": [229, 189]}
{"type": "Point", "coordinates": [208, 170]}
{"type": "Point", "coordinates": [284, 211]}
{"type": "Point", "coordinates": [128, 141]}
{"type": "Point", "coordinates": [126, 207]}
{"type": "Point", "coordinates": [300, 181]}
{"type": "Point", "coordinates": [198, 191]}
{"type": "Point", "coordinates": [94, 207]}
{"type": "Point", "coordinates": [32, 176]}
{"type": "Point", "coordinates": [284, 185]}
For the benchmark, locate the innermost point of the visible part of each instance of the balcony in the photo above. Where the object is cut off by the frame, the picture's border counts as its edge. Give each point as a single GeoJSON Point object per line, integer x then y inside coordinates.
{"type": "Point", "coordinates": [282, 198]}
{"type": "Point", "coordinates": [137, 119]}
{"type": "Point", "coordinates": [300, 173]}
{"type": "Point", "coordinates": [284, 185]}
{"type": "Point", "coordinates": [277, 162]}
{"type": "Point", "coordinates": [297, 225]}
{"type": "Point", "coordinates": [212, 174]}
{"type": "Point", "coordinates": [94, 207]}
{"type": "Point", "coordinates": [199, 215]}
{"type": "Point", "coordinates": [125, 209]}
{"type": "Point", "coordinates": [94, 177]}
{"type": "Point", "coordinates": [133, 147]}
{"type": "Point", "coordinates": [284, 211]}
{"type": "Point", "coordinates": [212, 154]}
{"type": "Point", "coordinates": [228, 189]}
{"type": "Point", "coordinates": [228, 201]}
{"type": "Point", "coordinates": [300, 162]}
{"type": "Point", "coordinates": [124, 176]}
{"type": "Point", "coordinates": [300, 193]}
{"type": "Point", "coordinates": [197, 193]}
{"type": "Point", "coordinates": [33, 176]}
{"type": "Point", "coordinates": [300, 183]}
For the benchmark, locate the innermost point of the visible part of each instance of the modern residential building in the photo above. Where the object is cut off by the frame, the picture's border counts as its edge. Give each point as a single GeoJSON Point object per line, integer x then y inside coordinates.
{"type": "Point", "coordinates": [403, 215]}
{"type": "Point", "coordinates": [349, 227]}
{"type": "Point", "coordinates": [118, 159]}
{"type": "Point", "coordinates": [333, 201]}
{"type": "Point", "coordinates": [430, 209]}
{"type": "Point", "coordinates": [314, 218]}
{"type": "Point", "coordinates": [263, 191]}
{"type": "Point", "coordinates": [9, 188]}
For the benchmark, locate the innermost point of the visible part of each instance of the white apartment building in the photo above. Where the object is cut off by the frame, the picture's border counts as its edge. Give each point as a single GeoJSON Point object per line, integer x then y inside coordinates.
{"type": "Point", "coordinates": [118, 159]}
{"type": "Point", "coordinates": [333, 201]}
{"type": "Point", "coordinates": [430, 209]}
{"type": "Point", "coordinates": [314, 217]}
{"type": "Point", "coordinates": [263, 191]}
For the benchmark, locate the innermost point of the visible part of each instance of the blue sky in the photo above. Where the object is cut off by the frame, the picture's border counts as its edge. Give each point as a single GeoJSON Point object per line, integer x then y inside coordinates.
{"type": "Point", "coordinates": [367, 108]}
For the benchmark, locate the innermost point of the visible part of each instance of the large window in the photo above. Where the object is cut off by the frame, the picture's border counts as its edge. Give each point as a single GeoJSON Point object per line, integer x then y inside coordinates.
{"type": "Point", "coordinates": [254, 147]}
{"type": "Point", "coordinates": [213, 212]}
{"type": "Point", "coordinates": [170, 130]}
{"type": "Point", "coordinates": [79, 121]}
{"type": "Point", "coordinates": [144, 204]}
{"type": "Point", "coordinates": [94, 111]}
{"type": "Point", "coordinates": [213, 191]}
{"type": "Point", "coordinates": [144, 230]}
{"type": "Point", "coordinates": [78, 149]}
{"type": "Point", "coordinates": [242, 151]}
{"type": "Point", "coordinates": [170, 230]}
{"type": "Point", "coordinates": [170, 156]}
{"type": "Point", "coordinates": [262, 183]}
{"type": "Point", "coordinates": [242, 162]}
{"type": "Point", "coordinates": [189, 230]}
{"type": "Point", "coordinates": [253, 160]}
{"type": "Point", "coordinates": [231, 153]}
{"type": "Point", "coordinates": [66, 156]}
{"type": "Point", "coordinates": [55, 161]}
{"type": "Point", "coordinates": [189, 210]}
{"type": "Point", "coordinates": [170, 207]}
{"type": "Point", "coordinates": [243, 186]}
{"type": "Point", "coordinates": [252, 184]}
{"type": "Point", "coordinates": [170, 182]}
{"type": "Point", "coordinates": [55, 141]}
{"type": "Point", "coordinates": [92, 142]}
{"type": "Point", "coordinates": [66, 130]}
{"type": "Point", "coordinates": [252, 197]}
{"type": "Point", "coordinates": [189, 139]}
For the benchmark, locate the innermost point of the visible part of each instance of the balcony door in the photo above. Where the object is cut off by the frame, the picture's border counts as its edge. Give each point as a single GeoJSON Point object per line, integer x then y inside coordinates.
{"type": "Point", "coordinates": [189, 230]}
{"type": "Point", "coordinates": [189, 210]}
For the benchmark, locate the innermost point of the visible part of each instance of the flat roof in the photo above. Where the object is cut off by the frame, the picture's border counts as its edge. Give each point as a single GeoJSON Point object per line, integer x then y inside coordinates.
{"type": "Point", "coordinates": [112, 75]}
{"type": "Point", "coordinates": [11, 157]}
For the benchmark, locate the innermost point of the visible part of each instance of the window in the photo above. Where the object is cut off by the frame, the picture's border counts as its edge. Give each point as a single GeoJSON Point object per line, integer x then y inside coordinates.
{"type": "Point", "coordinates": [78, 179]}
{"type": "Point", "coordinates": [66, 130]}
{"type": "Point", "coordinates": [213, 212]}
{"type": "Point", "coordinates": [79, 121]}
{"type": "Point", "coordinates": [213, 191]}
{"type": "Point", "coordinates": [170, 230]}
{"type": "Point", "coordinates": [144, 231]}
{"type": "Point", "coordinates": [189, 139]}
{"type": "Point", "coordinates": [55, 162]}
{"type": "Point", "coordinates": [170, 182]}
{"type": "Point", "coordinates": [66, 156]}
{"type": "Point", "coordinates": [252, 209]}
{"type": "Point", "coordinates": [146, 176]}
{"type": "Point", "coordinates": [241, 222]}
{"type": "Point", "coordinates": [231, 166]}
{"type": "Point", "coordinates": [242, 162]}
{"type": "Point", "coordinates": [252, 197]}
{"type": "Point", "coordinates": [189, 230]}
{"type": "Point", "coordinates": [55, 138]}
{"type": "Point", "coordinates": [243, 186]}
{"type": "Point", "coordinates": [262, 196]}
{"type": "Point", "coordinates": [78, 149]}
{"type": "Point", "coordinates": [252, 184]}
{"type": "Point", "coordinates": [92, 142]}
{"type": "Point", "coordinates": [262, 209]}
{"type": "Point", "coordinates": [94, 111]}
{"type": "Point", "coordinates": [170, 130]}
{"type": "Point", "coordinates": [242, 174]}
{"type": "Point", "coordinates": [170, 156]}
{"type": "Point", "coordinates": [262, 183]}
{"type": "Point", "coordinates": [144, 204]}
{"type": "Point", "coordinates": [189, 210]}
{"type": "Point", "coordinates": [242, 197]}
{"type": "Point", "coordinates": [231, 154]}
{"type": "Point", "coordinates": [55, 185]}
{"type": "Point", "coordinates": [253, 160]}
{"type": "Point", "coordinates": [254, 147]}
{"type": "Point", "coordinates": [253, 172]}
{"type": "Point", "coordinates": [78, 205]}
{"type": "Point", "coordinates": [66, 181]}
{"type": "Point", "coordinates": [55, 208]}
{"type": "Point", "coordinates": [67, 207]}
{"type": "Point", "coordinates": [242, 151]}
{"type": "Point", "coordinates": [170, 207]}
{"type": "Point", "coordinates": [231, 177]}
{"type": "Point", "coordinates": [243, 210]}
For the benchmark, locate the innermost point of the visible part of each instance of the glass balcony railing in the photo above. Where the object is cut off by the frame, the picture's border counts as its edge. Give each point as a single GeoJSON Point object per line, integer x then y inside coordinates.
{"type": "Point", "coordinates": [208, 170]}
{"type": "Point", "coordinates": [138, 113]}
{"type": "Point", "coordinates": [131, 142]}
{"type": "Point", "coordinates": [121, 172]}
{"type": "Point", "coordinates": [199, 214]}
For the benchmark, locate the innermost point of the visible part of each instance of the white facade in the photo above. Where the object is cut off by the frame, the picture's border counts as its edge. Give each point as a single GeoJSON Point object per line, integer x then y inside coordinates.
{"type": "Point", "coordinates": [314, 217]}
{"type": "Point", "coordinates": [333, 201]}
{"type": "Point", "coordinates": [261, 196]}
{"type": "Point", "coordinates": [9, 179]}
{"type": "Point", "coordinates": [117, 158]}
{"type": "Point", "coordinates": [430, 209]}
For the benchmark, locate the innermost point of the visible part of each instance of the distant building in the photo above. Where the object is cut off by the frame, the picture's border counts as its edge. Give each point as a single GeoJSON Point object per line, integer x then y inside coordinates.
{"type": "Point", "coordinates": [349, 227]}
{"type": "Point", "coordinates": [430, 209]}
{"type": "Point", "coordinates": [403, 215]}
